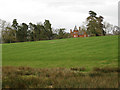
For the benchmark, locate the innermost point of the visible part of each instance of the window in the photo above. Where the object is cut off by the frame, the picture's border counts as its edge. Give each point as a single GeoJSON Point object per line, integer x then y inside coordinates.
{"type": "Point", "coordinates": [75, 36]}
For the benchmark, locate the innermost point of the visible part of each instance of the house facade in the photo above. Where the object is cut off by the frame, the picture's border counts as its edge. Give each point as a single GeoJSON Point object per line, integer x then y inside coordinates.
{"type": "Point", "coordinates": [78, 33]}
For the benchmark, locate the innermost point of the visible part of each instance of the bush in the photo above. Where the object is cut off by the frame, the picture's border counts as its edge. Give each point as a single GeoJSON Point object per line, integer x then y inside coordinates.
{"type": "Point", "coordinates": [106, 69]}
{"type": "Point", "coordinates": [24, 77]}
{"type": "Point", "coordinates": [78, 69]}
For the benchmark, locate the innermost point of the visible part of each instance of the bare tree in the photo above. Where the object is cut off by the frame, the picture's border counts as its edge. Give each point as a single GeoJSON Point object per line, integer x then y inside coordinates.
{"type": "Point", "coordinates": [3, 28]}
{"type": "Point", "coordinates": [116, 30]}
{"type": "Point", "coordinates": [108, 28]}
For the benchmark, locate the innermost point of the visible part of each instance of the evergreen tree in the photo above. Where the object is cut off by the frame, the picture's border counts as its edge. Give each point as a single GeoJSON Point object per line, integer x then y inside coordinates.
{"type": "Point", "coordinates": [48, 29]}
{"type": "Point", "coordinates": [30, 32]}
{"type": "Point", "coordinates": [95, 26]}
{"type": "Point", "coordinates": [61, 33]}
{"type": "Point", "coordinates": [15, 24]}
{"type": "Point", "coordinates": [22, 32]}
{"type": "Point", "coordinates": [43, 35]}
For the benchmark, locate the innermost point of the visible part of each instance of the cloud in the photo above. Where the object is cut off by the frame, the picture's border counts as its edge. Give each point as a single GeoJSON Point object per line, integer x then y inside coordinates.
{"type": "Point", "coordinates": [61, 13]}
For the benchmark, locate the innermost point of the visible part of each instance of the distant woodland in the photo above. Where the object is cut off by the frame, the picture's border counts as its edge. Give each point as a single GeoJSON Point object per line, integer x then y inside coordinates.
{"type": "Point", "coordinates": [15, 32]}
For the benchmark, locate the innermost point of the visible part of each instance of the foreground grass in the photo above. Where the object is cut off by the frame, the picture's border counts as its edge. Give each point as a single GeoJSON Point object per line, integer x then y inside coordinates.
{"type": "Point", "coordinates": [26, 77]}
{"type": "Point", "coordinates": [73, 52]}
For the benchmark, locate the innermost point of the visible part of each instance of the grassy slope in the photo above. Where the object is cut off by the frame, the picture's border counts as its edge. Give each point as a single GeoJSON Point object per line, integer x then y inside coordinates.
{"type": "Point", "coordinates": [73, 52]}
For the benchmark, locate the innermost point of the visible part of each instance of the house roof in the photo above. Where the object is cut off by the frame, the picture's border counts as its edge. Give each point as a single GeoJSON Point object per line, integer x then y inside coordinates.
{"type": "Point", "coordinates": [75, 28]}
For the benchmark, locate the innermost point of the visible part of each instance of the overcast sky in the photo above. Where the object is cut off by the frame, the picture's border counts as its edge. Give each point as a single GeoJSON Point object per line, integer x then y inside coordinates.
{"type": "Point", "coordinates": [61, 13]}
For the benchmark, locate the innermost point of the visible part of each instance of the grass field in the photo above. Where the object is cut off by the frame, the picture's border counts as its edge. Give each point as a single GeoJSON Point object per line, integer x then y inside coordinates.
{"type": "Point", "coordinates": [72, 52]}
{"type": "Point", "coordinates": [66, 63]}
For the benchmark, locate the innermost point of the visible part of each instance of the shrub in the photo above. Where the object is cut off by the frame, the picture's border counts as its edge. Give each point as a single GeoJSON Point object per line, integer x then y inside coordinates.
{"type": "Point", "coordinates": [106, 69]}
{"type": "Point", "coordinates": [78, 69]}
{"type": "Point", "coordinates": [22, 77]}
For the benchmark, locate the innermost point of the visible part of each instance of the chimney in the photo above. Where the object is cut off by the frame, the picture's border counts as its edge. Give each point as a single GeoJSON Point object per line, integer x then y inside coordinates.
{"type": "Point", "coordinates": [79, 28]}
{"type": "Point", "coordinates": [70, 30]}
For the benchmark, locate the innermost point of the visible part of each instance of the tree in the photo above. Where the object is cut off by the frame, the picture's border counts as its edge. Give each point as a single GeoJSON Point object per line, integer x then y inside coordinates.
{"type": "Point", "coordinates": [108, 28]}
{"type": "Point", "coordinates": [100, 25]}
{"type": "Point", "coordinates": [91, 23]}
{"type": "Point", "coordinates": [8, 35]}
{"type": "Point", "coordinates": [15, 24]}
{"type": "Point", "coordinates": [42, 35]}
{"type": "Point", "coordinates": [30, 32]}
{"type": "Point", "coordinates": [61, 33]}
{"type": "Point", "coordinates": [22, 32]}
{"type": "Point", "coordinates": [37, 32]}
{"type": "Point", "coordinates": [48, 29]}
{"type": "Point", "coordinates": [92, 14]}
{"type": "Point", "coordinates": [95, 26]}
{"type": "Point", "coordinates": [3, 24]}
{"type": "Point", "coordinates": [15, 27]}
{"type": "Point", "coordinates": [2, 27]}
{"type": "Point", "coordinates": [116, 30]}
{"type": "Point", "coordinates": [24, 29]}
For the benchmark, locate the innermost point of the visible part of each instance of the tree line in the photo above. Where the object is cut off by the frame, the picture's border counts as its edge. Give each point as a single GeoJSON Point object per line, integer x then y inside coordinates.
{"type": "Point", "coordinates": [32, 32]}
{"type": "Point", "coordinates": [16, 32]}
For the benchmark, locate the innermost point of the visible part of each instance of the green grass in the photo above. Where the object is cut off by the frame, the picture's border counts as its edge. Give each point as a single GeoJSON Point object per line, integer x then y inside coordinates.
{"type": "Point", "coordinates": [73, 52]}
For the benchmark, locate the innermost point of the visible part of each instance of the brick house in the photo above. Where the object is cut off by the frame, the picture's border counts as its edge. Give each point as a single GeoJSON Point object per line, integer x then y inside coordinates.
{"type": "Point", "coordinates": [78, 33]}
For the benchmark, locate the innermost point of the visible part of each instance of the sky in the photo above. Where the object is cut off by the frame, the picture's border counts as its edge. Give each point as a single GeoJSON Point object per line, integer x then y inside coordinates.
{"type": "Point", "coordinates": [61, 13]}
